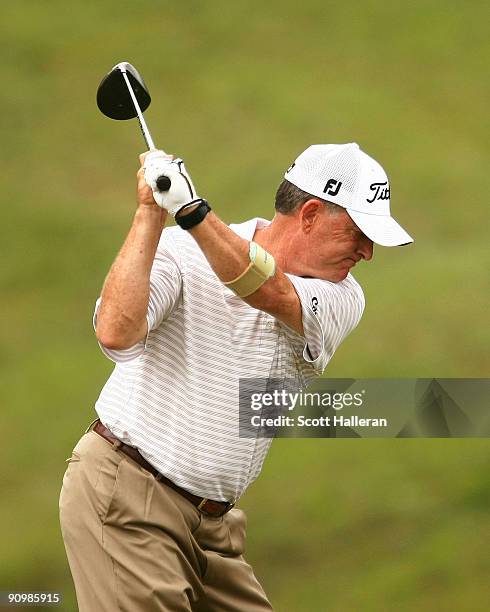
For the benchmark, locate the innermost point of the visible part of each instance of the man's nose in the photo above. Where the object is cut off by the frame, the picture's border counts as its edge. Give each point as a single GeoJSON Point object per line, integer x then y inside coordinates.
{"type": "Point", "coordinates": [366, 247]}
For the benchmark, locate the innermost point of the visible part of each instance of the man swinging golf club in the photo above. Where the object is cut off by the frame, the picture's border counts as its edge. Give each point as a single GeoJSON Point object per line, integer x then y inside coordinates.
{"type": "Point", "coordinates": [148, 500]}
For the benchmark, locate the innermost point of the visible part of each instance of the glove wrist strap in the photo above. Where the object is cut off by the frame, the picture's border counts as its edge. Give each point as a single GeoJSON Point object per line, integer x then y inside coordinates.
{"type": "Point", "coordinates": [195, 217]}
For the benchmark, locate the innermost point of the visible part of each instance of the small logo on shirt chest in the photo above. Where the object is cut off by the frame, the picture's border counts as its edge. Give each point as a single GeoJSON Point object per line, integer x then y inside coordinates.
{"type": "Point", "coordinates": [314, 304]}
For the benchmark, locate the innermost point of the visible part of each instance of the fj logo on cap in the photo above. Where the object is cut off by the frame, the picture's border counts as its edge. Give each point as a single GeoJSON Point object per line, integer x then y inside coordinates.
{"type": "Point", "coordinates": [332, 187]}
{"type": "Point", "coordinates": [379, 192]}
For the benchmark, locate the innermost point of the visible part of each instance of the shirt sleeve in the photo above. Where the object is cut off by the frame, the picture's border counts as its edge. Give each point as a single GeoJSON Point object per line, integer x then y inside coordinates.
{"type": "Point", "coordinates": [165, 295]}
{"type": "Point", "coordinates": [330, 311]}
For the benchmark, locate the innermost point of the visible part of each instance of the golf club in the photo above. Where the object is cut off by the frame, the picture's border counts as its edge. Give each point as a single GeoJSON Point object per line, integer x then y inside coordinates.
{"type": "Point", "coordinates": [122, 94]}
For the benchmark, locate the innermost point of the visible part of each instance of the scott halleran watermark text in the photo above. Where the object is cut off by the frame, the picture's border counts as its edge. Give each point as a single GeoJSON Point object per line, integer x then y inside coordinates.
{"type": "Point", "coordinates": [360, 408]}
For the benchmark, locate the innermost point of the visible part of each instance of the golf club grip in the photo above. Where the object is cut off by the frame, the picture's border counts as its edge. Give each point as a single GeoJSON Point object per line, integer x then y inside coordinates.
{"type": "Point", "coordinates": [163, 183]}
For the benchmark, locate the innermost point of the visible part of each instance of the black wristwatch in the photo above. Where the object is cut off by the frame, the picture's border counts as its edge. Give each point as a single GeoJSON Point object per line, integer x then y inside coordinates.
{"type": "Point", "coordinates": [195, 217]}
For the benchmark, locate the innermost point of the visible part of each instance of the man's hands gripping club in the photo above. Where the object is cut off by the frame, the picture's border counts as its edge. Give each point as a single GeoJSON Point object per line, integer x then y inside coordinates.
{"type": "Point", "coordinates": [181, 193]}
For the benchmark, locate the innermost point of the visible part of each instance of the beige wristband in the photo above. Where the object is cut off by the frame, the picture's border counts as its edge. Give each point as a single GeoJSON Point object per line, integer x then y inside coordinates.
{"type": "Point", "coordinates": [261, 267]}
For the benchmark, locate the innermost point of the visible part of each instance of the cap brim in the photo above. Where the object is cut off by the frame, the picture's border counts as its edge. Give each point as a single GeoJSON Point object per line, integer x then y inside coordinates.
{"type": "Point", "coordinates": [381, 229]}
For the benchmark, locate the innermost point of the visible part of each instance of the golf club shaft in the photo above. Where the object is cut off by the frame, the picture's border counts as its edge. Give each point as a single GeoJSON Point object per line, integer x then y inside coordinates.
{"type": "Point", "coordinates": [142, 122]}
{"type": "Point", "coordinates": [163, 182]}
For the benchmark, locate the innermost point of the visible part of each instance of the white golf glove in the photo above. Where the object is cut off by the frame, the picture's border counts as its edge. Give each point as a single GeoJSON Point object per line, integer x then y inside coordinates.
{"type": "Point", "coordinates": [181, 191]}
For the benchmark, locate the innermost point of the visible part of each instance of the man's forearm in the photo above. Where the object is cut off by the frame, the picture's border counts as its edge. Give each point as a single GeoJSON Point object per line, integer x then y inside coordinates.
{"type": "Point", "coordinates": [121, 320]}
{"type": "Point", "coordinates": [226, 252]}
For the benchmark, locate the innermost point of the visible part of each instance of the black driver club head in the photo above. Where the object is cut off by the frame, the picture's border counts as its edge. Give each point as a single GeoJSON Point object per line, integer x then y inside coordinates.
{"type": "Point", "coordinates": [113, 97]}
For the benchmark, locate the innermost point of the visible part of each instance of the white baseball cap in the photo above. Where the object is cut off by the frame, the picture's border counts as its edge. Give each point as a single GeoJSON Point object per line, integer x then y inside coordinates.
{"type": "Point", "coordinates": [345, 175]}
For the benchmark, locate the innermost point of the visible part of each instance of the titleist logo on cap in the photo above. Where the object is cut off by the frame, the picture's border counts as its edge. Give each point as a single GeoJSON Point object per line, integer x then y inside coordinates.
{"type": "Point", "coordinates": [379, 192]}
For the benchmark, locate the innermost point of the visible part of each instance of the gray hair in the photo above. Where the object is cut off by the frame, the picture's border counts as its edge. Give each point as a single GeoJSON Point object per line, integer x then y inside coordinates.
{"type": "Point", "coordinates": [289, 198]}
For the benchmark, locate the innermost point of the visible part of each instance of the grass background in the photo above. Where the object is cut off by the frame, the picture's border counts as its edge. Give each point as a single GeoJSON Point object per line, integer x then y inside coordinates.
{"type": "Point", "coordinates": [239, 89]}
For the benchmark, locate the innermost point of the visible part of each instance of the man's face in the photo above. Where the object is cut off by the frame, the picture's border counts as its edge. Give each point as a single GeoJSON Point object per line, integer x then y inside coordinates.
{"type": "Point", "coordinates": [333, 243]}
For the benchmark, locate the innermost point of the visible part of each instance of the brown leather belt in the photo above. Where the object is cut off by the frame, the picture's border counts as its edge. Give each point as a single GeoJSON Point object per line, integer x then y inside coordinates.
{"type": "Point", "coordinates": [208, 506]}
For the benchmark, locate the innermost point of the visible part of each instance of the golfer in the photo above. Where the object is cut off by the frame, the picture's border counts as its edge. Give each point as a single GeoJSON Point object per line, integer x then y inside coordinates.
{"type": "Point", "coordinates": [147, 506]}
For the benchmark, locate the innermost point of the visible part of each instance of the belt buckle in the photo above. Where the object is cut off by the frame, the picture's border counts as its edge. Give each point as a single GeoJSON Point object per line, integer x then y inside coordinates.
{"type": "Point", "coordinates": [202, 503]}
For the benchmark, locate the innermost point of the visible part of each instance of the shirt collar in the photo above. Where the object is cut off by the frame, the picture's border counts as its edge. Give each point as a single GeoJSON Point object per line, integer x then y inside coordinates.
{"type": "Point", "coordinates": [247, 229]}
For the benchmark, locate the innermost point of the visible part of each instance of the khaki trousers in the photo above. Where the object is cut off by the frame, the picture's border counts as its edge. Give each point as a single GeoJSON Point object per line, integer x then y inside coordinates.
{"type": "Point", "coordinates": [136, 545]}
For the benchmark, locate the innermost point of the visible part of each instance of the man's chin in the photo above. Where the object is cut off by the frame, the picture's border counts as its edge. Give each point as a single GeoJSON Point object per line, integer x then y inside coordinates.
{"type": "Point", "coordinates": [342, 274]}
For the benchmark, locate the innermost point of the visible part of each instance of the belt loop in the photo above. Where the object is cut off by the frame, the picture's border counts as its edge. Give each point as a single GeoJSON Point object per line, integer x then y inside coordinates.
{"type": "Point", "coordinates": [116, 445]}
{"type": "Point", "coordinates": [91, 425]}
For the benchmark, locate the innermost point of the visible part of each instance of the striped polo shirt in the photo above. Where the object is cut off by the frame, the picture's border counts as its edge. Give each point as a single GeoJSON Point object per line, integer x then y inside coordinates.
{"type": "Point", "coordinates": [174, 395]}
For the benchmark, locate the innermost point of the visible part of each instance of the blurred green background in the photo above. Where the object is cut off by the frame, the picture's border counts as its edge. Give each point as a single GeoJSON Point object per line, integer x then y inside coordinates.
{"type": "Point", "coordinates": [239, 89]}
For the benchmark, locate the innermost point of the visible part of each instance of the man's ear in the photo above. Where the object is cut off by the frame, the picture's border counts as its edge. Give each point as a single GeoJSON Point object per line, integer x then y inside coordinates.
{"type": "Point", "coordinates": [310, 213]}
